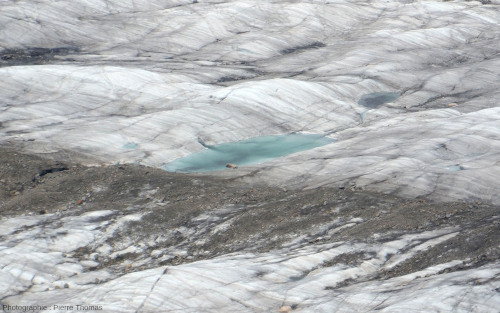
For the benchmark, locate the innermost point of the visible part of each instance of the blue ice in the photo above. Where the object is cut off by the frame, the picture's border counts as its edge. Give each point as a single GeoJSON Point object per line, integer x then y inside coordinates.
{"type": "Point", "coordinates": [130, 145]}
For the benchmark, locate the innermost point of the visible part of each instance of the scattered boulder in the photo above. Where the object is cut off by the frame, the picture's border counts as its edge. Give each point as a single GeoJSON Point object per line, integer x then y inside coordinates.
{"type": "Point", "coordinates": [285, 309]}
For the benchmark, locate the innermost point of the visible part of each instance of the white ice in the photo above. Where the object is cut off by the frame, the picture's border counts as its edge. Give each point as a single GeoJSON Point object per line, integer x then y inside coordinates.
{"type": "Point", "coordinates": [143, 86]}
{"type": "Point", "coordinates": [152, 81]}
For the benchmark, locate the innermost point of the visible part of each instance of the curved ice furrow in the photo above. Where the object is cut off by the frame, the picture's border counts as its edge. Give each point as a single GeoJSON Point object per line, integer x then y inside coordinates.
{"type": "Point", "coordinates": [170, 118]}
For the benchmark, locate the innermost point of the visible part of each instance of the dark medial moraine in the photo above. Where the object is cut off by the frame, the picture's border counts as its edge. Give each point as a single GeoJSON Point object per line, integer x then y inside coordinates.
{"type": "Point", "coordinates": [32, 55]}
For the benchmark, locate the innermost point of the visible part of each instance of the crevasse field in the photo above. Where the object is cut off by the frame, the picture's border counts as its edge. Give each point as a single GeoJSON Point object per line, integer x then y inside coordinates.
{"type": "Point", "coordinates": [405, 93]}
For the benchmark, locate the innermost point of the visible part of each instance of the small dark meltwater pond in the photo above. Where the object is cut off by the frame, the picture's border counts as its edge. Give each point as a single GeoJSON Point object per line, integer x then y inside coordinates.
{"type": "Point", "coordinates": [373, 100]}
{"type": "Point", "coordinates": [246, 152]}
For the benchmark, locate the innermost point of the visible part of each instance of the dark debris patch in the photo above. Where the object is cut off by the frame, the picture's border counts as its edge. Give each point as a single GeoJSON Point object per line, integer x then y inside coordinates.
{"type": "Point", "coordinates": [52, 170]}
{"type": "Point", "coordinates": [180, 212]}
{"type": "Point", "coordinates": [33, 55]}
{"type": "Point", "coordinates": [314, 45]}
{"type": "Point", "coordinates": [231, 78]}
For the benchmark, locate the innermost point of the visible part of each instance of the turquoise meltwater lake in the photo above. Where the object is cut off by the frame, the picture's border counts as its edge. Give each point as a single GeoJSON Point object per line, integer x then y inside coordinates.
{"type": "Point", "coordinates": [246, 152]}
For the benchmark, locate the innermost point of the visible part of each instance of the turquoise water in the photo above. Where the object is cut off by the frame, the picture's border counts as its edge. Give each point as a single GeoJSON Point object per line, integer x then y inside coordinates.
{"type": "Point", "coordinates": [455, 168]}
{"type": "Point", "coordinates": [130, 145]}
{"type": "Point", "coordinates": [362, 116]}
{"type": "Point", "coordinates": [251, 151]}
{"type": "Point", "coordinates": [373, 100]}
